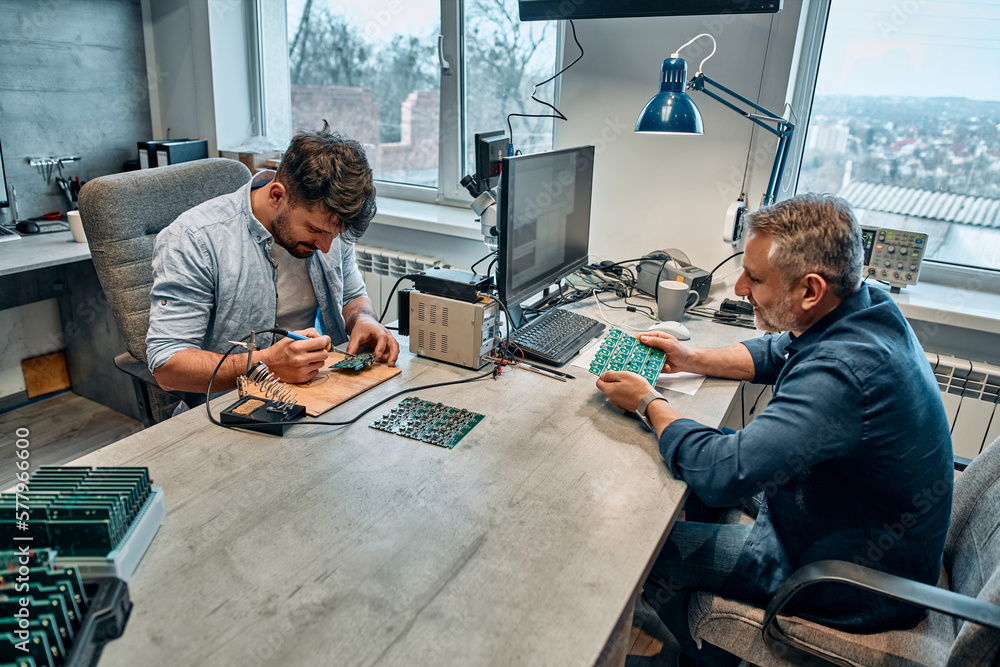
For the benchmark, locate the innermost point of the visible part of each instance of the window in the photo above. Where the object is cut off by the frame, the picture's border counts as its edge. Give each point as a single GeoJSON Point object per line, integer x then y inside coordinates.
{"type": "Point", "coordinates": [905, 121]}
{"type": "Point", "coordinates": [381, 72]}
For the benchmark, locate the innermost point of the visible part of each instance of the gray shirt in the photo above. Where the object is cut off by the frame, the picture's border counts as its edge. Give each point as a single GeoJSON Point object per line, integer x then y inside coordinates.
{"type": "Point", "coordinates": [214, 280]}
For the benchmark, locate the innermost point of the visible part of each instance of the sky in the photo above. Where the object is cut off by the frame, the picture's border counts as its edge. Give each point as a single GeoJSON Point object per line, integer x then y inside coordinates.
{"type": "Point", "coordinates": [923, 48]}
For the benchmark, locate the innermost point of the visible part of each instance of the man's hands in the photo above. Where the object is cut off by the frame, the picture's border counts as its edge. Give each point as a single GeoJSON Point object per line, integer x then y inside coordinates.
{"type": "Point", "coordinates": [678, 356]}
{"type": "Point", "coordinates": [296, 361]}
{"type": "Point", "coordinates": [624, 389]}
{"type": "Point", "coordinates": [367, 329]}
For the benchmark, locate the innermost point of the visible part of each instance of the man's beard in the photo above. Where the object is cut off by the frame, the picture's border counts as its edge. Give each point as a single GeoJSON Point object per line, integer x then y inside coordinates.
{"type": "Point", "coordinates": [779, 318]}
{"type": "Point", "coordinates": [282, 234]}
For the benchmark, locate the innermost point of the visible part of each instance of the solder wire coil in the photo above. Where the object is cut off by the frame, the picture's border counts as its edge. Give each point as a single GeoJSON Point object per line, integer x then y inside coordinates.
{"type": "Point", "coordinates": [273, 389]}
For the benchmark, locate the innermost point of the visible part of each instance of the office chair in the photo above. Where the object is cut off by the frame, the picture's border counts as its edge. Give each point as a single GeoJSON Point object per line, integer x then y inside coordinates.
{"type": "Point", "coordinates": [122, 214]}
{"type": "Point", "coordinates": [967, 591]}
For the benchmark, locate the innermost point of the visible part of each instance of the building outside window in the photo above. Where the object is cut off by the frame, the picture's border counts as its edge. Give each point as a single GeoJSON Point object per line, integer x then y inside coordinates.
{"type": "Point", "coordinates": [373, 70]}
{"type": "Point", "coordinates": [905, 121]}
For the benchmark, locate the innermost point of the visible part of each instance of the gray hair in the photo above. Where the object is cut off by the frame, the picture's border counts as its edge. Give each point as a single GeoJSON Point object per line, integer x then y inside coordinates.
{"type": "Point", "coordinates": [813, 233]}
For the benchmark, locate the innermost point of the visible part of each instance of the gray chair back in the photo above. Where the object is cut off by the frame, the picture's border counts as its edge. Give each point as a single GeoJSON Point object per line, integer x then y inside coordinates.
{"type": "Point", "coordinates": [972, 553]}
{"type": "Point", "coordinates": [123, 213]}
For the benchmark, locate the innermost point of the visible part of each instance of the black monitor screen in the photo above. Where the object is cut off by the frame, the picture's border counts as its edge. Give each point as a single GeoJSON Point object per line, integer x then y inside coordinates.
{"type": "Point", "coordinates": [544, 220]}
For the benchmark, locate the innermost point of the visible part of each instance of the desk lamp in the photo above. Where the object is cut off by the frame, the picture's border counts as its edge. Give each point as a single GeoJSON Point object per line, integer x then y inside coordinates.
{"type": "Point", "coordinates": [672, 111]}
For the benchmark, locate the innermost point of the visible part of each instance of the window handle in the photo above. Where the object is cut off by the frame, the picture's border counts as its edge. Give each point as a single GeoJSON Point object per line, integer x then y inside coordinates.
{"type": "Point", "coordinates": [442, 63]}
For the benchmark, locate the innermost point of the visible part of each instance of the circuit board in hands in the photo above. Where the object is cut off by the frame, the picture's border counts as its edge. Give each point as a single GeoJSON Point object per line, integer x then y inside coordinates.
{"type": "Point", "coordinates": [621, 352]}
{"type": "Point", "coordinates": [435, 423]}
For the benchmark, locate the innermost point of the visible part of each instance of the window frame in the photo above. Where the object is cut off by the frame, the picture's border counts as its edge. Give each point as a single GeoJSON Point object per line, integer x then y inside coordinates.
{"type": "Point", "coordinates": [813, 38]}
{"type": "Point", "coordinates": [452, 127]}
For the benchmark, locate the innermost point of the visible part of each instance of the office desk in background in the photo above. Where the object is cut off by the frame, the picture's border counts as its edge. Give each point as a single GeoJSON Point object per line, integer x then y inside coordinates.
{"type": "Point", "coordinates": [46, 266]}
{"type": "Point", "coordinates": [347, 545]}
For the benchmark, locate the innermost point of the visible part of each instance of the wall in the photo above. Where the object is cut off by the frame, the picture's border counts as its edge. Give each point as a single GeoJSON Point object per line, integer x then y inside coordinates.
{"type": "Point", "coordinates": [673, 191]}
{"type": "Point", "coordinates": [73, 83]}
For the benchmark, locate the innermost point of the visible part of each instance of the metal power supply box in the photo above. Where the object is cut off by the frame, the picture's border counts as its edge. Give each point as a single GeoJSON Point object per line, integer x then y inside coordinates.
{"type": "Point", "coordinates": [454, 331]}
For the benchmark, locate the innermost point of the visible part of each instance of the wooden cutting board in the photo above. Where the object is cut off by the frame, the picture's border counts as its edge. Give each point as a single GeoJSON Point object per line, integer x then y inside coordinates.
{"type": "Point", "coordinates": [331, 388]}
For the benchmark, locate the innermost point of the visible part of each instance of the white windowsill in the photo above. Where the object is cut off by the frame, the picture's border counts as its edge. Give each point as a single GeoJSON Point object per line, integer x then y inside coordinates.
{"type": "Point", "coordinates": [943, 304]}
{"type": "Point", "coordinates": [435, 218]}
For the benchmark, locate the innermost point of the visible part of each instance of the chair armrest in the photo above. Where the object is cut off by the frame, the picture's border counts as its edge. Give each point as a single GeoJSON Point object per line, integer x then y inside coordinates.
{"type": "Point", "coordinates": [125, 362]}
{"type": "Point", "coordinates": [881, 583]}
{"type": "Point", "coordinates": [961, 462]}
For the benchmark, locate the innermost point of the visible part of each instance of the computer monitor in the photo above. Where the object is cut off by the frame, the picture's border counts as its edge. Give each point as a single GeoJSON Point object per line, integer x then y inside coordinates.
{"type": "Point", "coordinates": [543, 220]}
{"type": "Point", "coordinates": [3, 183]}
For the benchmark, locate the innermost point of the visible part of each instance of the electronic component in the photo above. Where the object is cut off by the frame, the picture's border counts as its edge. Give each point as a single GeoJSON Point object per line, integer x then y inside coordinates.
{"type": "Point", "coordinates": [452, 283]}
{"type": "Point", "coordinates": [893, 255]}
{"type": "Point", "coordinates": [99, 520]}
{"type": "Point", "coordinates": [452, 330]}
{"type": "Point", "coordinates": [621, 352]}
{"type": "Point", "coordinates": [356, 363]}
{"type": "Point", "coordinates": [650, 272]}
{"type": "Point", "coordinates": [435, 423]}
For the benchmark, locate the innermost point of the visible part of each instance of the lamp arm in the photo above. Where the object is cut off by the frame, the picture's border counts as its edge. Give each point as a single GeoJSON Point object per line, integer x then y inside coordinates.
{"type": "Point", "coordinates": [782, 129]}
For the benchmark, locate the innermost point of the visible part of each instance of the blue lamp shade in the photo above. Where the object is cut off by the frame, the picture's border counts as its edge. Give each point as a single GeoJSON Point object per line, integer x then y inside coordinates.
{"type": "Point", "coordinates": [671, 111]}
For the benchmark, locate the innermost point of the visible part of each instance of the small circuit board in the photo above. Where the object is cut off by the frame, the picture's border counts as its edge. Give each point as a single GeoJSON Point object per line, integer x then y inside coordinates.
{"type": "Point", "coordinates": [435, 423]}
{"type": "Point", "coordinates": [355, 363]}
{"type": "Point", "coordinates": [621, 352]}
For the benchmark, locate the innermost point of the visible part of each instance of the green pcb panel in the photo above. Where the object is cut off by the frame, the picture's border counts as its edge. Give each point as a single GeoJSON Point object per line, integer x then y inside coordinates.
{"type": "Point", "coordinates": [435, 423]}
{"type": "Point", "coordinates": [621, 352]}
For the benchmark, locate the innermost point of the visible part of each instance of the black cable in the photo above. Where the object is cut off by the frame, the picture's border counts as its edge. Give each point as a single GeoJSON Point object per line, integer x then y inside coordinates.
{"type": "Point", "coordinates": [211, 418]}
{"type": "Point", "coordinates": [391, 292]}
{"type": "Point", "coordinates": [489, 269]}
{"type": "Point", "coordinates": [638, 305]}
{"type": "Point", "coordinates": [558, 114]}
{"type": "Point", "coordinates": [719, 265]}
{"type": "Point", "coordinates": [478, 261]}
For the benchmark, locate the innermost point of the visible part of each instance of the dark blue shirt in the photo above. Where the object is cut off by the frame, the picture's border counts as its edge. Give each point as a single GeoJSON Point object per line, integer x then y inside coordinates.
{"type": "Point", "coordinates": [853, 453]}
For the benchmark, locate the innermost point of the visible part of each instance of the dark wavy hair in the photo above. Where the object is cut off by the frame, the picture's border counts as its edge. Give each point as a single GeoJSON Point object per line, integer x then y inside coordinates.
{"type": "Point", "coordinates": [327, 170]}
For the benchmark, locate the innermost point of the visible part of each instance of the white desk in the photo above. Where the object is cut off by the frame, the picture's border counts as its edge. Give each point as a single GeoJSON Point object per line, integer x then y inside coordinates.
{"type": "Point", "coordinates": [37, 251]}
{"type": "Point", "coordinates": [350, 546]}
{"type": "Point", "coordinates": [52, 266]}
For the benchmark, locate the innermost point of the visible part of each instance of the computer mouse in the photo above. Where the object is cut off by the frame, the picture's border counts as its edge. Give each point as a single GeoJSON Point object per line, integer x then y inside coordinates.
{"type": "Point", "coordinates": [27, 227]}
{"type": "Point", "coordinates": [675, 329]}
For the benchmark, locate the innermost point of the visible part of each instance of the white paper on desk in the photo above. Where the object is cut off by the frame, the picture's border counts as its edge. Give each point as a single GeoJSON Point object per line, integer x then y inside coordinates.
{"type": "Point", "coordinates": [587, 354]}
{"type": "Point", "coordinates": [686, 383]}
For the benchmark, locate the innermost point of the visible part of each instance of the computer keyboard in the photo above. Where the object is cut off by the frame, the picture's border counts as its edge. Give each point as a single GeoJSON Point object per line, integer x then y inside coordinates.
{"type": "Point", "coordinates": [556, 336]}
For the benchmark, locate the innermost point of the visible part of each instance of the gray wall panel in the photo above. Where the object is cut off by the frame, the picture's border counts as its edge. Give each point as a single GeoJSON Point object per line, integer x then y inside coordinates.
{"type": "Point", "coordinates": [72, 81]}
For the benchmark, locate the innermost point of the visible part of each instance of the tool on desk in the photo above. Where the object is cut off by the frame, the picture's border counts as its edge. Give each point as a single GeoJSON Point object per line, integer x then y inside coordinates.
{"type": "Point", "coordinates": [273, 410]}
{"type": "Point", "coordinates": [554, 374]}
{"type": "Point", "coordinates": [298, 336]}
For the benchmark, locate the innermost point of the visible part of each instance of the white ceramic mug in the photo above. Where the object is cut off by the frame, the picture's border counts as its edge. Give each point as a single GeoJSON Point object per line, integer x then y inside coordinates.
{"type": "Point", "coordinates": [672, 299]}
{"type": "Point", "coordinates": [76, 226]}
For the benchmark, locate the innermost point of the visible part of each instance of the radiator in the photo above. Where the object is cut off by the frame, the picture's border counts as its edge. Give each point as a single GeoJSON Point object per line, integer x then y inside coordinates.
{"type": "Point", "coordinates": [381, 268]}
{"type": "Point", "coordinates": [969, 390]}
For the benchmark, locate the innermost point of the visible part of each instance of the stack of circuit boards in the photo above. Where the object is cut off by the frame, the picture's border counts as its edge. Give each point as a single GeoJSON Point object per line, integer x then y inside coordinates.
{"type": "Point", "coordinates": [77, 511]}
{"type": "Point", "coordinates": [621, 352]}
{"type": "Point", "coordinates": [435, 423]}
{"type": "Point", "coordinates": [56, 605]}
{"type": "Point", "coordinates": [48, 618]}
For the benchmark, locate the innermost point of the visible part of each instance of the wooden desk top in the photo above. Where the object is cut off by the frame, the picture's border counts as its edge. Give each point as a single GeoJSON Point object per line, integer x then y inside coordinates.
{"type": "Point", "coordinates": [36, 251]}
{"type": "Point", "coordinates": [350, 546]}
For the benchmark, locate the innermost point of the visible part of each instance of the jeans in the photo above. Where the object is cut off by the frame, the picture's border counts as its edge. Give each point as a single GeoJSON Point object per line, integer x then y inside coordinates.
{"type": "Point", "coordinates": [696, 556]}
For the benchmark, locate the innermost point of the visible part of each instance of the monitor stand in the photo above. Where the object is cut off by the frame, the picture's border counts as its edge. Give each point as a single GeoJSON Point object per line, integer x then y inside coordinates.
{"type": "Point", "coordinates": [517, 317]}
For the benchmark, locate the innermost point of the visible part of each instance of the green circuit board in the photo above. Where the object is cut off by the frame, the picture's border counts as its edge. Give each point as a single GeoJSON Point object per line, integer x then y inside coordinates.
{"type": "Point", "coordinates": [621, 352]}
{"type": "Point", "coordinates": [435, 423]}
{"type": "Point", "coordinates": [355, 363]}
